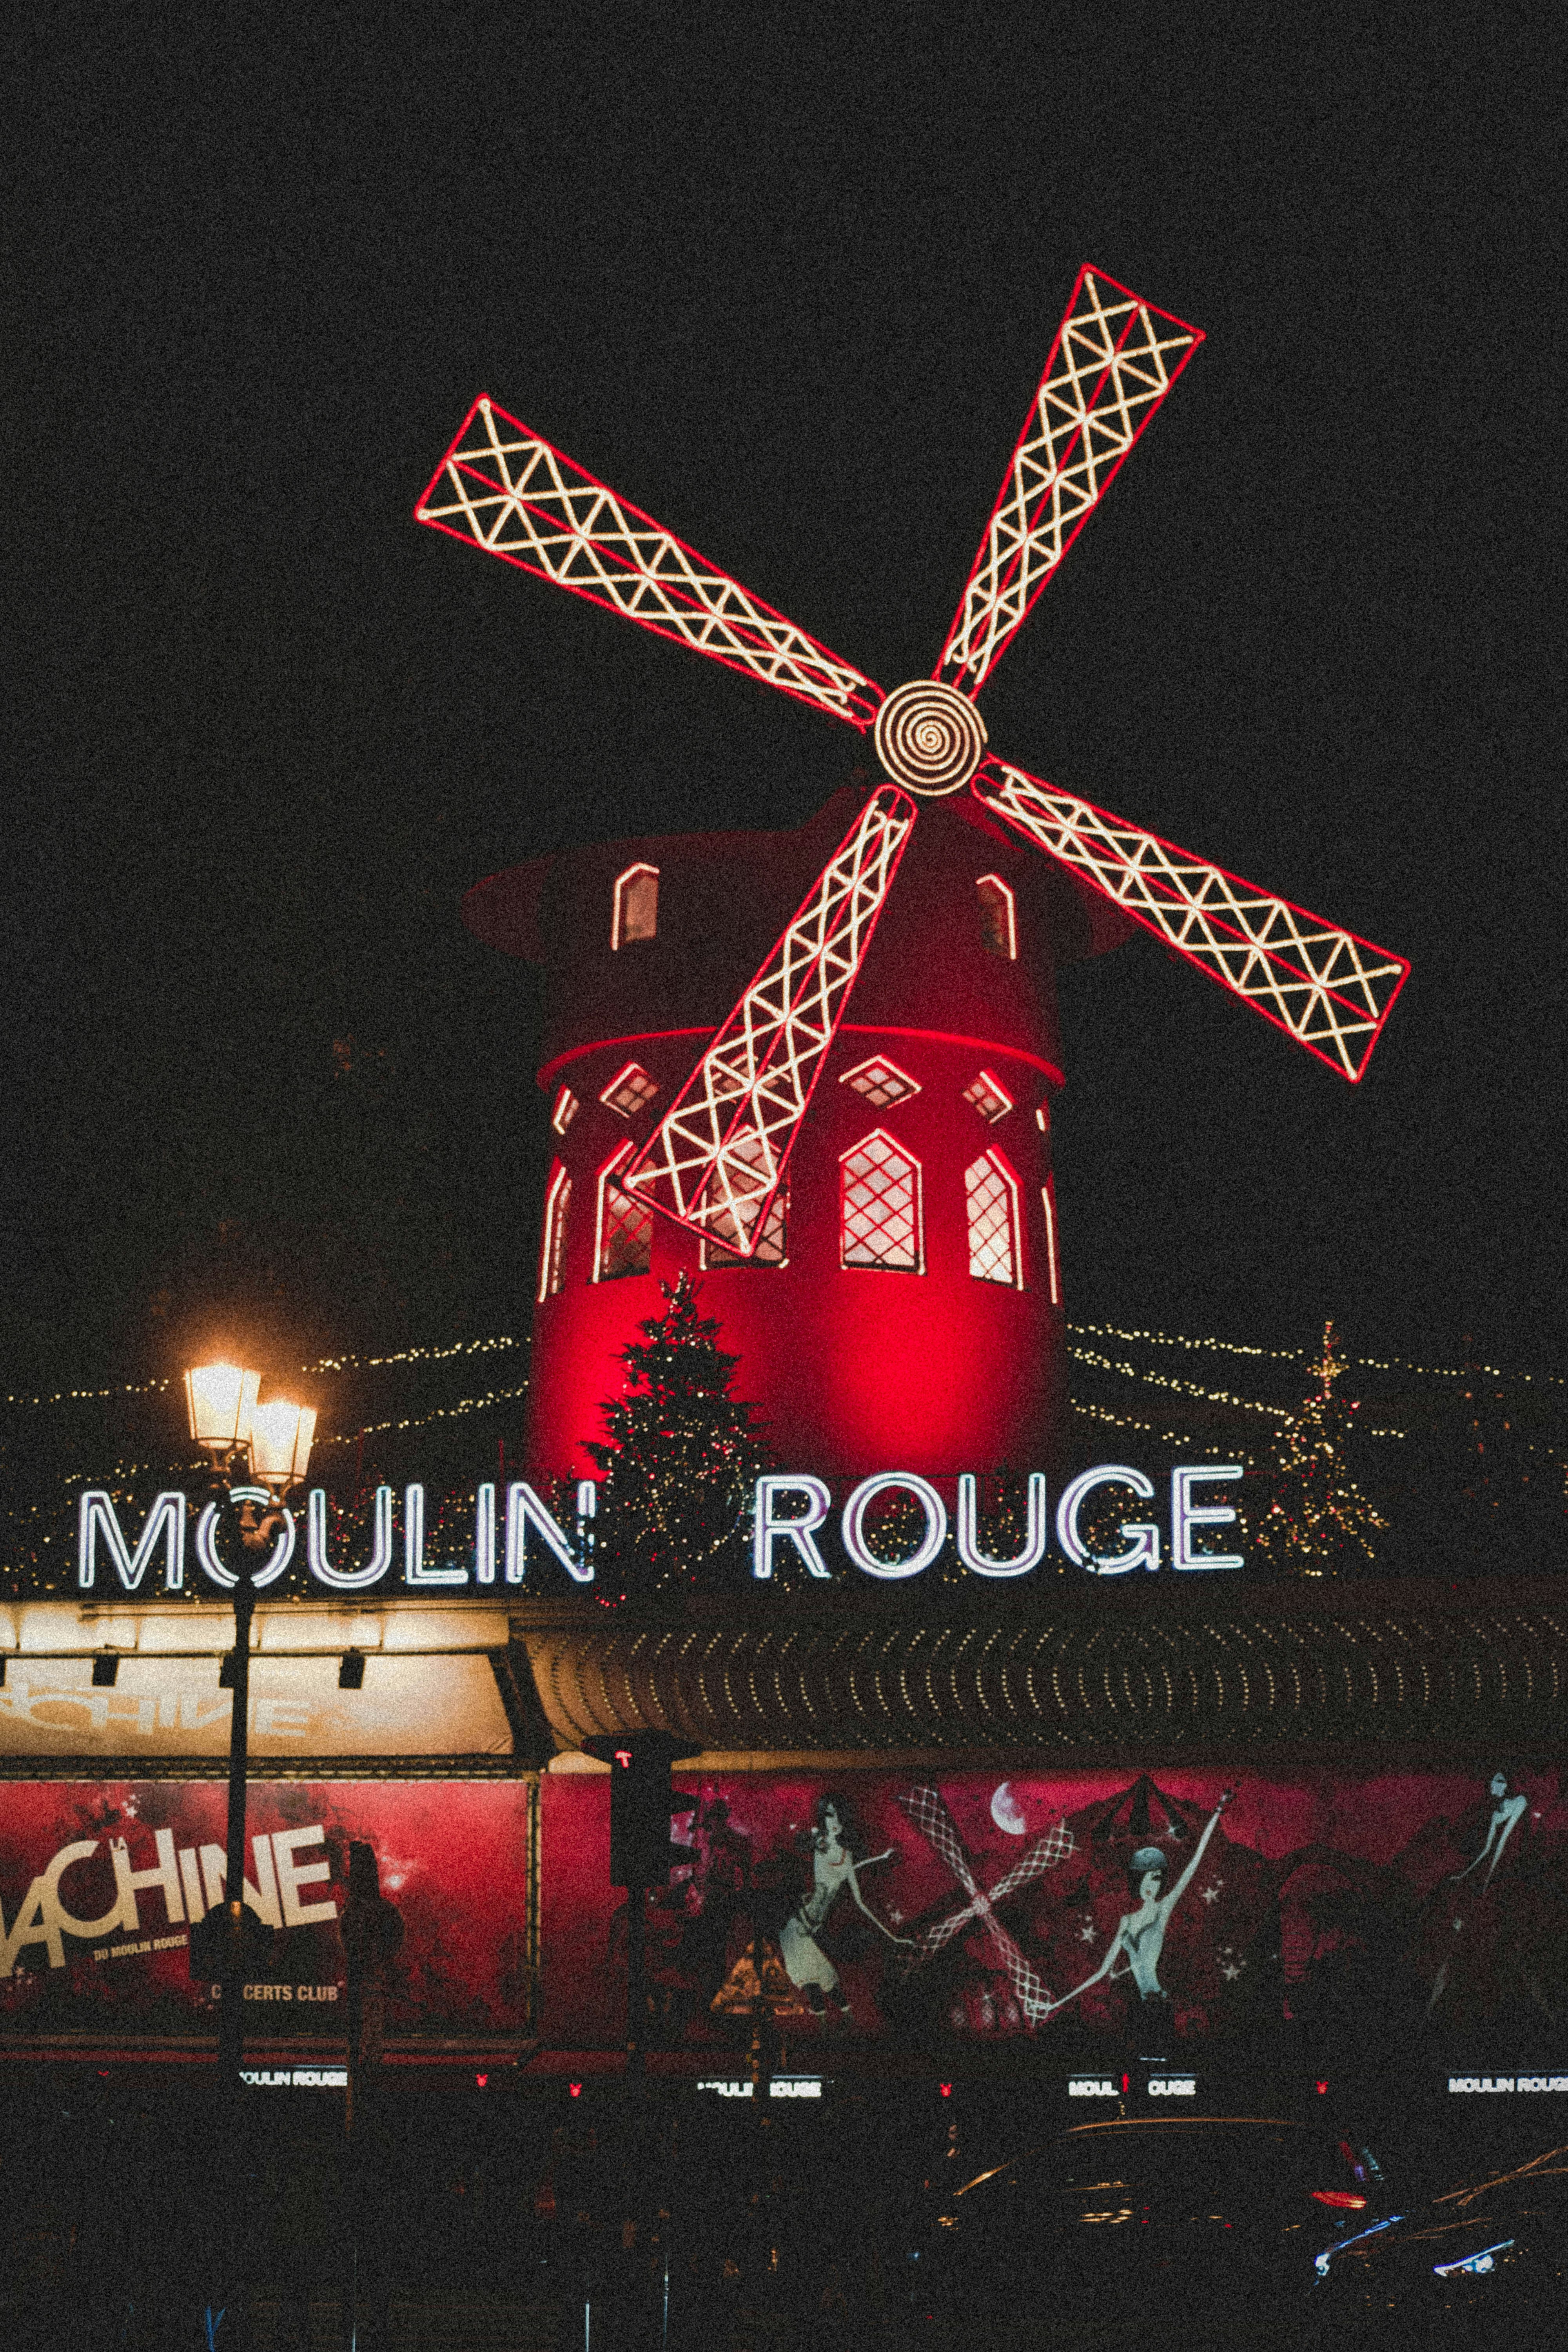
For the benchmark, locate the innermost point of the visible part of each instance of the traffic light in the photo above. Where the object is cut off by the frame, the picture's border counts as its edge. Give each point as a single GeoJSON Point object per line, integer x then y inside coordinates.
{"type": "Point", "coordinates": [641, 1804]}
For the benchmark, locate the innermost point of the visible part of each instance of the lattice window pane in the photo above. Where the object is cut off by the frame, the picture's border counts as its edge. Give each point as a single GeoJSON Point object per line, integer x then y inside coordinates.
{"type": "Point", "coordinates": [551, 1271]}
{"type": "Point", "coordinates": [773, 1243]}
{"type": "Point", "coordinates": [626, 1232]}
{"type": "Point", "coordinates": [881, 1206]}
{"type": "Point", "coordinates": [881, 1082]}
{"type": "Point", "coordinates": [989, 1098]}
{"type": "Point", "coordinates": [630, 1090]}
{"type": "Point", "coordinates": [993, 1221]}
{"type": "Point", "coordinates": [565, 1110]}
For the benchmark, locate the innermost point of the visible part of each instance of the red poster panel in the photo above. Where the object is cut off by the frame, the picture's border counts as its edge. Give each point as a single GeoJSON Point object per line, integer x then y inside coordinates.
{"type": "Point", "coordinates": [102, 1882]}
{"type": "Point", "coordinates": [924, 1910]}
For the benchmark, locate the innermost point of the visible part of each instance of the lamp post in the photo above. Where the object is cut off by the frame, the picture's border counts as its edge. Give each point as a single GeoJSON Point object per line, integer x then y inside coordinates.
{"type": "Point", "coordinates": [271, 1444]}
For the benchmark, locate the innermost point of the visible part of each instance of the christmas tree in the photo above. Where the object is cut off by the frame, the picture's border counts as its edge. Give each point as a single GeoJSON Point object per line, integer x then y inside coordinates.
{"type": "Point", "coordinates": [1317, 1515]}
{"type": "Point", "coordinates": [680, 1459]}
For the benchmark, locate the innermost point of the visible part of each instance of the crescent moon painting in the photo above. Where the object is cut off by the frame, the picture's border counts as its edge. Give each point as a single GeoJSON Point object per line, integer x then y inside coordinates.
{"type": "Point", "coordinates": [1006, 1811]}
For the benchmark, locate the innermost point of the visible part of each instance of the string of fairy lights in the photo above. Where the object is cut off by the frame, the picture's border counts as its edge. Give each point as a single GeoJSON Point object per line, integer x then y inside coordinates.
{"type": "Point", "coordinates": [1184, 1388]}
{"type": "Point", "coordinates": [422, 1420]}
{"type": "Point", "coordinates": [1300, 1355]}
{"type": "Point", "coordinates": [1078, 1334]}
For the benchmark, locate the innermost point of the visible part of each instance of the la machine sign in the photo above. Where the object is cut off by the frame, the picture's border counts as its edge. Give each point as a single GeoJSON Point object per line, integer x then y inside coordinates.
{"type": "Point", "coordinates": [794, 1514]}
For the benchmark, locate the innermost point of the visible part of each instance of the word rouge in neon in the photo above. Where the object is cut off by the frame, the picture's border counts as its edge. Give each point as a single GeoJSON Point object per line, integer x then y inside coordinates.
{"type": "Point", "coordinates": [790, 1508]}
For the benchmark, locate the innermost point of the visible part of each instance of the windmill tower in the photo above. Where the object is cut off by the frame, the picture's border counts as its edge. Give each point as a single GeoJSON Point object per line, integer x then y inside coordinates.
{"type": "Point", "coordinates": [854, 1141]}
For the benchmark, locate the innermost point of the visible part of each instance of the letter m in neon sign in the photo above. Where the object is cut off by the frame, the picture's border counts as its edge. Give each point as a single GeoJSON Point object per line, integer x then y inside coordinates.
{"type": "Point", "coordinates": [165, 1524]}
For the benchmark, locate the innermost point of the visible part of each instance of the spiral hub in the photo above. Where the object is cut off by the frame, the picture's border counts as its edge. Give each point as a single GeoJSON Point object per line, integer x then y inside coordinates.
{"type": "Point", "coordinates": [930, 738]}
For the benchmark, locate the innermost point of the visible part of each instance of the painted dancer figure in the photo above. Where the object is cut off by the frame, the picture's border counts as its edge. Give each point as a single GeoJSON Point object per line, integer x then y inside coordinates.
{"type": "Point", "coordinates": [1140, 1937]}
{"type": "Point", "coordinates": [1509, 1810]}
{"type": "Point", "coordinates": [832, 1868]}
{"type": "Point", "coordinates": [1472, 1936]}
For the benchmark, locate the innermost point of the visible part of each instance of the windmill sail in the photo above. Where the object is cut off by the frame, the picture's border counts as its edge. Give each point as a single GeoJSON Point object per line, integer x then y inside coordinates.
{"type": "Point", "coordinates": [1329, 989]}
{"type": "Point", "coordinates": [503, 488]}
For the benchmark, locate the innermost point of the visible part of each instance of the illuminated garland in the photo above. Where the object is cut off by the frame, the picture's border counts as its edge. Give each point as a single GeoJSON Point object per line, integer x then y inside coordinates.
{"type": "Point", "coordinates": [77, 1396]}
{"type": "Point", "coordinates": [1184, 1388]}
{"type": "Point", "coordinates": [414, 1355]}
{"type": "Point", "coordinates": [494, 1343]}
{"type": "Point", "coordinates": [1300, 1355]}
{"type": "Point", "coordinates": [422, 1419]}
{"type": "Point", "coordinates": [1144, 1428]}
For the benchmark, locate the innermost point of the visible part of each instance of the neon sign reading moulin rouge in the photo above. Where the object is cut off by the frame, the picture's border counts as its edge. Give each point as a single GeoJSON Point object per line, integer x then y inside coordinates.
{"type": "Point", "coordinates": [791, 1510]}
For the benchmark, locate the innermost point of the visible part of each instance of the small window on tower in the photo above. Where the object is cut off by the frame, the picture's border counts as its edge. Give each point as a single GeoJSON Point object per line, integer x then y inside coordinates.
{"type": "Point", "coordinates": [553, 1257]}
{"type": "Point", "coordinates": [989, 1096]}
{"type": "Point", "coordinates": [636, 905]}
{"type": "Point", "coordinates": [998, 925]}
{"type": "Point", "coordinates": [565, 1110]}
{"type": "Point", "coordinates": [630, 1090]}
{"type": "Point", "coordinates": [991, 1195]}
{"type": "Point", "coordinates": [881, 1081]}
{"type": "Point", "coordinates": [625, 1242]}
{"type": "Point", "coordinates": [881, 1207]}
{"type": "Point", "coordinates": [773, 1243]}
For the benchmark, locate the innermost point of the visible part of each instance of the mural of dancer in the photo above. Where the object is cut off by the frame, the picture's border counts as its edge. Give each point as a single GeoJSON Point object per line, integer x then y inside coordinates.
{"type": "Point", "coordinates": [1140, 1938]}
{"type": "Point", "coordinates": [834, 1867]}
{"type": "Point", "coordinates": [1473, 1929]}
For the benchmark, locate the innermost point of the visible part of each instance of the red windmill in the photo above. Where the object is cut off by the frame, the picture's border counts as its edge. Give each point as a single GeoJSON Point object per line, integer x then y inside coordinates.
{"type": "Point", "coordinates": [715, 1162]}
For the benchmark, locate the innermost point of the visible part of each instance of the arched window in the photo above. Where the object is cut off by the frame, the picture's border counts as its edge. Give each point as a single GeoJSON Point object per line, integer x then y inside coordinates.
{"type": "Point", "coordinates": [1048, 1195]}
{"type": "Point", "coordinates": [624, 1241]}
{"type": "Point", "coordinates": [553, 1256]}
{"type": "Point", "coordinates": [991, 1197]}
{"type": "Point", "coordinates": [998, 924]}
{"type": "Point", "coordinates": [773, 1243]}
{"type": "Point", "coordinates": [881, 1207]}
{"type": "Point", "coordinates": [636, 915]}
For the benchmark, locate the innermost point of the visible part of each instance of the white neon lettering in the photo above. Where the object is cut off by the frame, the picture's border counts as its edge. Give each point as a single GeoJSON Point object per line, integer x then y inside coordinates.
{"type": "Point", "coordinates": [1142, 1553]}
{"type": "Point", "coordinates": [767, 1529]}
{"type": "Point", "coordinates": [1187, 1515]}
{"type": "Point", "coordinates": [165, 1523]}
{"type": "Point", "coordinates": [1037, 1530]}
{"type": "Point", "coordinates": [207, 1547]}
{"type": "Point", "coordinates": [524, 1510]}
{"type": "Point", "coordinates": [485, 1534]}
{"type": "Point", "coordinates": [413, 1569]}
{"type": "Point", "coordinates": [348, 1580]}
{"type": "Point", "coordinates": [852, 1525]}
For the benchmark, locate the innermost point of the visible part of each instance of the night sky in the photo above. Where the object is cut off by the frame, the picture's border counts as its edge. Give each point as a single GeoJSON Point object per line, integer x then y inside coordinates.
{"type": "Point", "coordinates": [787, 279]}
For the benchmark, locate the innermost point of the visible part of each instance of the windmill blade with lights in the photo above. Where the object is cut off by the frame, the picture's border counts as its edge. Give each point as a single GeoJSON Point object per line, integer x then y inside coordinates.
{"type": "Point", "coordinates": [719, 1154]}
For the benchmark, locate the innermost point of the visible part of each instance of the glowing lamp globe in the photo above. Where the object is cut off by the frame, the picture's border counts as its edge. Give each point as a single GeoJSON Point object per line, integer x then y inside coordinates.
{"type": "Point", "coordinates": [281, 1439]}
{"type": "Point", "coordinates": [221, 1402]}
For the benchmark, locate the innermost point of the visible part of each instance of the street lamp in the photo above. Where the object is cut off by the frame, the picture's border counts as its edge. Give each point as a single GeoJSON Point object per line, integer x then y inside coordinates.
{"type": "Point", "coordinates": [270, 1444]}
